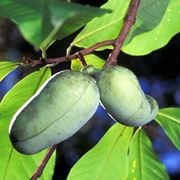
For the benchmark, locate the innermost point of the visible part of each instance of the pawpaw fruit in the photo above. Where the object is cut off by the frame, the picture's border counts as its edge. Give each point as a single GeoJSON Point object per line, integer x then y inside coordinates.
{"type": "Point", "coordinates": [63, 104]}
{"type": "Point", "coordinates": [123, 98]}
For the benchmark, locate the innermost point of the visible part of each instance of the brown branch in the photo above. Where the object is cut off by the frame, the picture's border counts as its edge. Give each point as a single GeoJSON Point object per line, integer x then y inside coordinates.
{"type": "Point", "coordinates": [81, 58]}
{"type": "Point", "coordinates": [43, 163]}
{"type": "Point", "coordinates": [83, 52]}
{"type": "Point", "coordinates": [129, 21]}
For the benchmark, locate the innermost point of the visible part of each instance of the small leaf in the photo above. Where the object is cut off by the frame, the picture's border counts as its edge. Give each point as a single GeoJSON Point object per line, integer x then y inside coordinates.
{"type": "Point", "coordinates": [108, 159]}
{"type": "Point", "coordinates": [42, 22]}
{"type": "Point", "coordinates": [90, 59]}
{"type": "Point", "coordinates": [6, 67]}
{"type": "Point", "coordinates": [143, 163]}
{"type": "Point", "coordinates": [169, 120]}
{"type": "Point", "coordinates": [14, 165]}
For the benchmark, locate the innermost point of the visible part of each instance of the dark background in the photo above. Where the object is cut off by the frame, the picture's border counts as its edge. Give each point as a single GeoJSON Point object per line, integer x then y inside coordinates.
{"type": "Point", "coordinates": [158, 74]}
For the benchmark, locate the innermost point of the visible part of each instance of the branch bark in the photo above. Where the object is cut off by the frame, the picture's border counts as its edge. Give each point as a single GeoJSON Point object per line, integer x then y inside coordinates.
{"type": "Point", "coordinates": [31, 62]}
{"type": "Point", "coordinates": [43, 163]}
{"type": "Point", "coordinates": [129, 21]}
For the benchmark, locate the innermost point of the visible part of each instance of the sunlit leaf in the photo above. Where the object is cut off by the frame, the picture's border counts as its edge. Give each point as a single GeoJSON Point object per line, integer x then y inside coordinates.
{"type": "Point", "coordinates": [161, 34]}
{"type": "Point", "coordinates": [90, 59]}
{"type": "Point", "coordinates": [169, 120]}
{"type": "Point", "coordinates": [103, 28]}
{"type": "Point", "coordinates": [108, 159]}
{"type": "Point", "coordinates": [156, 23]}
{"type": "Point", "coordinates": [6, 67]}
{"type": "Point", "coordinates": [143, 163]}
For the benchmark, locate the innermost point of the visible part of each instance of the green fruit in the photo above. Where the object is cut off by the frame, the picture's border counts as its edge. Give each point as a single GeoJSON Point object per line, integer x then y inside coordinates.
{"type": "Point", "coordinates": [122, 97]}
{"type": "Point", "coordinates": [57, 110]}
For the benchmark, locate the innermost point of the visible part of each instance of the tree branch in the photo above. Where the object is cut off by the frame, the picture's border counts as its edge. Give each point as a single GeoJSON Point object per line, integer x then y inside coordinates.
{"type": "Point", "coordinates": [129, 21]}
{"type": "Point", "coordinates": [117, 43]}
{"type": "Point", "coordinates": [29, 61]}
{"type": "Point", "coordinates": [81, 58]}
{"type": "Point", "coordinates": [43, 163]}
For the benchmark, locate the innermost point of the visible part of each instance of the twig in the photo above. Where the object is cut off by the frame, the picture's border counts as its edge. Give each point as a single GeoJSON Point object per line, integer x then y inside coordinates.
{"type": "Point", "coordinates": [129, 21]}
{"type": "Point", "coordinates": [81, 57]}
{"type": "Point", "coordinates": [84, 52]}
{"type": "Point", "coordinates": [43, 163]}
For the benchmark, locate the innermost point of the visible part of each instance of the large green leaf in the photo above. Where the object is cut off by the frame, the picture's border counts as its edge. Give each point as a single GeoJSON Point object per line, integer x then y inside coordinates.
{"type": "Point", "coordinates": [169, 120]}
{"type": "Point", "coordinates": [90, 59]}
{"type": "Point", "coordinates": [108, 159]}
{"type": "Point", "coordinates": [43, 21]}
{"type": "Point", "coordinates": [147, 42]}
{"type": "Point", "coordinates": [6, 67]}
{"type": "Point", "coordinates": [153, 19]}
{"type": "Point", "coordinates": [14, 165]}
{"type": "Point", "coordinates": [103, 28]}
{"type": "Point", "coordinates": [143, 163]}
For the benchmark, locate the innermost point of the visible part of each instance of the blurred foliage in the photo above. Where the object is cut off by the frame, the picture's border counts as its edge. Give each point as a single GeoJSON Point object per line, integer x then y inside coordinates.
{"type": "Point", "coordinates": [42, 22]}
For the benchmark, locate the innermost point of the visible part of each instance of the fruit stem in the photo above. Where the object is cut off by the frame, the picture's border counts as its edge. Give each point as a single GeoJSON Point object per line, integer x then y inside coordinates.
{"type": "Point", "coordinates": [40, 169]}
{"type": "Point", "coordinates": [81, 58]}
{"type": "Point", "coordinates": [128, 23]}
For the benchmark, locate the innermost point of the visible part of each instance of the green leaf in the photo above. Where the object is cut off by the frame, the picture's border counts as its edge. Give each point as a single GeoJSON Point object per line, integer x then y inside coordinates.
{"type": "Point", "coordinates": [105, 27]}
{"type": "Point", "coordinates": [21, 167]}
{"type": "Point", "coordinates": [90, 59]}
{"type": "Point", "coordinates": [14, 165]}
{"type": "Point", "coordinates": [169, 120]}
{"type": "Point", "coordinates": [108, 159]}
{"type": "Point", "coordinates": [161, 34]}
{"type": "Point", "coordinates": [153, 19]}
{"type": "Point", "coordinates": [6, 67]}
{"type": "Point", "coordinates": [43, 21]}
{"type": "Point", "coordinates": [143, 163]}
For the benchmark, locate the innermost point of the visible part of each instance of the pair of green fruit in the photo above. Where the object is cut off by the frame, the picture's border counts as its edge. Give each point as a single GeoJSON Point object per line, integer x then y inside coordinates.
{"type": "Point", "coordinates": [67, 100]}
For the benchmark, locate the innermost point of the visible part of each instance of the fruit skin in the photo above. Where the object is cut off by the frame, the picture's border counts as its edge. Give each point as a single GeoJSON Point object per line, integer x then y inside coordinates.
{"type": "Point", "coordinates": [57, 110]}
{"type": "Point", "coordinates": [122, 97]}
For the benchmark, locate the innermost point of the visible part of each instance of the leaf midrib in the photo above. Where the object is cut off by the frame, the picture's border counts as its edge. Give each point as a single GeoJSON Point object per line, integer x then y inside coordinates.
{"type": "Point", "coordinates": [169, 117]}
{"type": "Point", "coordinates": [97, 30]}
{"type": "Point", "coordinates": [139, 147]}
{"type": "Point", "coordinates": [6, 170]}
{"type": "Point", "coordinates": [108, 155]}
{"type": "Point", "coordinates": [40, 80]}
